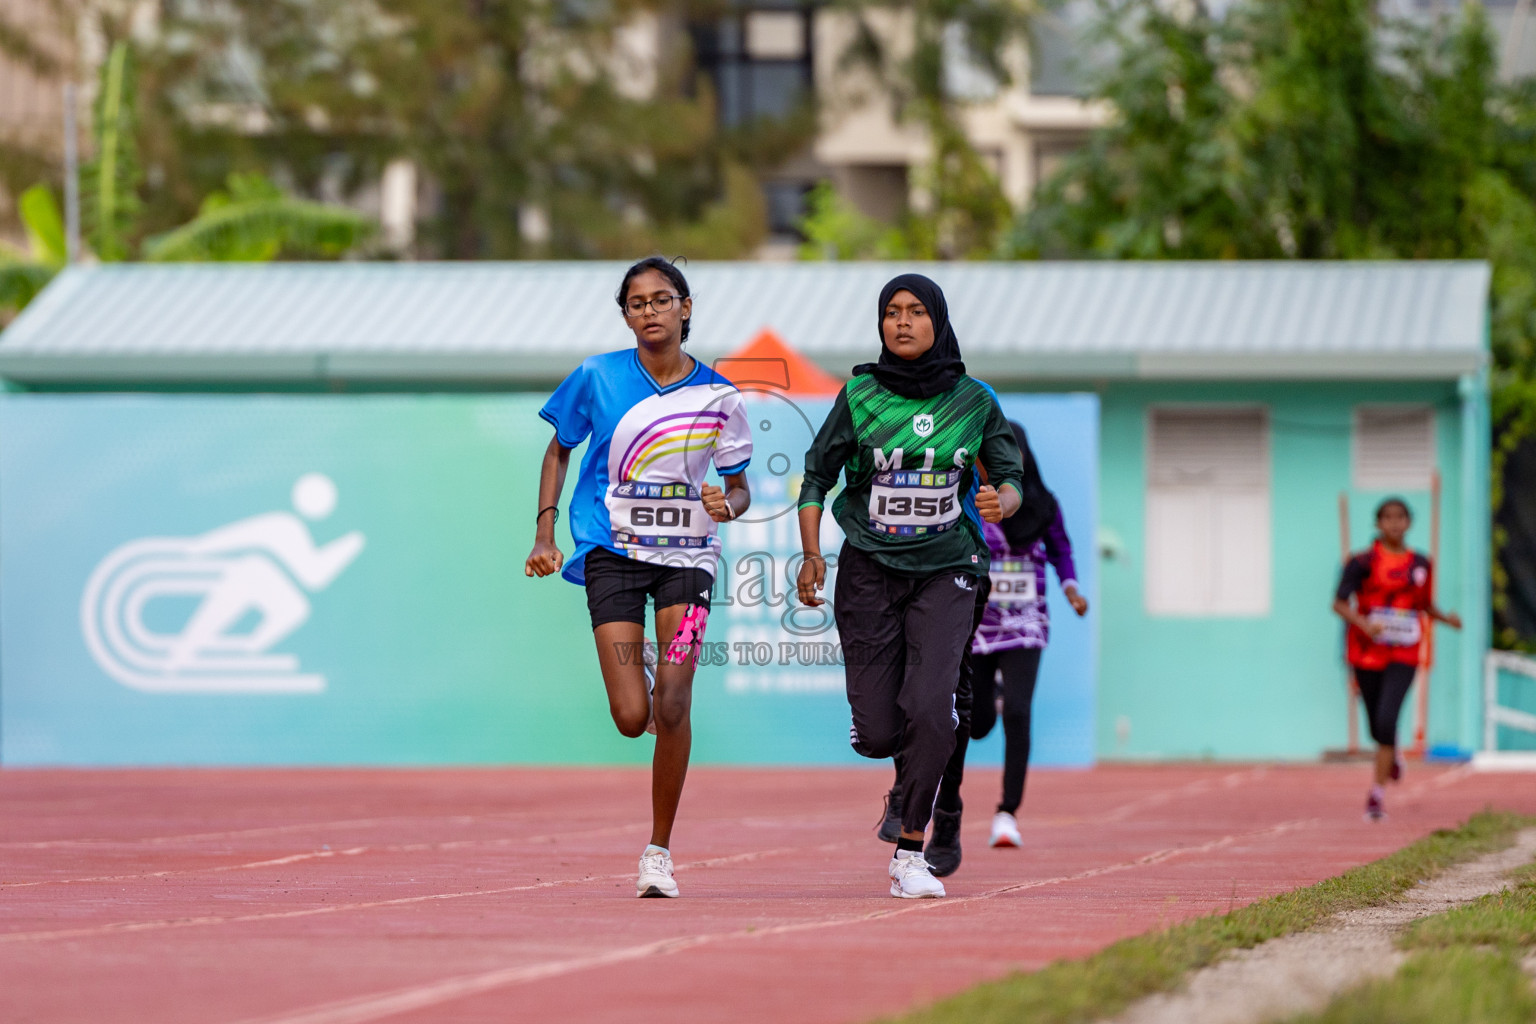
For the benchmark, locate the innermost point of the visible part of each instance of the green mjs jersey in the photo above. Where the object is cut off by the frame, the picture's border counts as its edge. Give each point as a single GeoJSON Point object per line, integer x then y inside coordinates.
{"type": "Point", "coordinates": [909, 463]}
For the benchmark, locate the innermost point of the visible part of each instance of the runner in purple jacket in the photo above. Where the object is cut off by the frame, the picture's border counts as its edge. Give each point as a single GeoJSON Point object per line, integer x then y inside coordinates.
{"type": "Point", "coordinates": [1014, 631]}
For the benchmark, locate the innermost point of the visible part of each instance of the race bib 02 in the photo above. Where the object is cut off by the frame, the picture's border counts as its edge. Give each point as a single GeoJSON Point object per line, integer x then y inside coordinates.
{"type": "Point", "coordinates": [914, 503]}
{"type": "Point", "coordinates": [1400, 626]}
{"type": "Point", "coordinates": [1013, 583]}
{"type": "Point", "coordinates": [658, 515]}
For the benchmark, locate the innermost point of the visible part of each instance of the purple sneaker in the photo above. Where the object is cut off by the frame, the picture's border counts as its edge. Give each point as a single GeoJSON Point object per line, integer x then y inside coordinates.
{"type": "Point", "coordinates": [1375, 809]}
{"type": "Point", "coordinates": [1396, 774]}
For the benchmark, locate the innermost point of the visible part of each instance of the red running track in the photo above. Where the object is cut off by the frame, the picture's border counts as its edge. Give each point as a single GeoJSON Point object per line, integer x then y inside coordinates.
{"type": "Point", "coordinates": [341, 897]}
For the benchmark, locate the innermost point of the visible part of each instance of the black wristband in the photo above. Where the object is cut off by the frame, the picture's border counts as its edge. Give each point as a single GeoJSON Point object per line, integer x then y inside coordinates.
{"type": "Point", "coordinates": [547, 508]}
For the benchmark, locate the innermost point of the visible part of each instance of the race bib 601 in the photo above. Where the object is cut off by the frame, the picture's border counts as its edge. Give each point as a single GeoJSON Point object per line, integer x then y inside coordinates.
{"type": "Point", "coordinates": [658, 515]}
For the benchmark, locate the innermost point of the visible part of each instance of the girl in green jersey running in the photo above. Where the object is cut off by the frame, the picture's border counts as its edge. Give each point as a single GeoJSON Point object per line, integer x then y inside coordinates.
{"type": "Point", "coordinates": [908, 431]}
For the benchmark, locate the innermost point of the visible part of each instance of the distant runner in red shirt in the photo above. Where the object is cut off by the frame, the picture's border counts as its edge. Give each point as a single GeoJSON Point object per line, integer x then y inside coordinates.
{"type": "Point", "coordinates": [1391, 586]}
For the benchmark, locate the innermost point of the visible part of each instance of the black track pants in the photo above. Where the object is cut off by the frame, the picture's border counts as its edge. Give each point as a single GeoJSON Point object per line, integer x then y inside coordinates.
{"type": "Point", "coordinates": [954, 769]}
{"type": "Point", "coordinates": [902, 643]}
{"type": "Point", "coordinates": [1383, 693]}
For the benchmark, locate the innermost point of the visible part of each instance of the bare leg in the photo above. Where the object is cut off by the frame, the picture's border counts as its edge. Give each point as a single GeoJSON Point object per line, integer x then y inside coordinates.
{"type": "Point", "coordinates": [1384, 757]}
{"type": "Point", "coordinates": [619, 654]}
{"type": "Point", "coordinates": [674, 729]}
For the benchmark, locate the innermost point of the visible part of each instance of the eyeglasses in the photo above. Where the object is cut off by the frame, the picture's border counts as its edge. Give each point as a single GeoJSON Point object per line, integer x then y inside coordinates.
{"type": "Point", "coordinates": [661, 303]}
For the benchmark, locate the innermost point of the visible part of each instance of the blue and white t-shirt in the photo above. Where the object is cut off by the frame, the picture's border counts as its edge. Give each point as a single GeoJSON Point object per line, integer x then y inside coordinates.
{"type": "Point", "coordinates": [638, 490]}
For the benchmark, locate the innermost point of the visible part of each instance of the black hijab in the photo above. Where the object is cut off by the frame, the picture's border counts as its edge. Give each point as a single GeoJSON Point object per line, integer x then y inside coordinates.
{"type": "Point", "coordinates": [935, 371]}
{"type": "Point", "coordinates": [1037, 507]}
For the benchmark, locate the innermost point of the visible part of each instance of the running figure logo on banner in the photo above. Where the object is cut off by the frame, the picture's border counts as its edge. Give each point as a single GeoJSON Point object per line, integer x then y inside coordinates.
{"type": "Point", "coordinates": [261, 566]}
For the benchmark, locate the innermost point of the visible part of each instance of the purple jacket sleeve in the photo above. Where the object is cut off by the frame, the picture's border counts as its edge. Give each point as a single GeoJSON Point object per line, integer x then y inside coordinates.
{"type": "Point", "coordinates": [1058, 550]}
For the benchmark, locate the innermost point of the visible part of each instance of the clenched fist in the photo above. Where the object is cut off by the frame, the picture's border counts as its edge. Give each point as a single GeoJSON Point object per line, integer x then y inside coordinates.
{"type": "Point", "coordinates": [989, 504]}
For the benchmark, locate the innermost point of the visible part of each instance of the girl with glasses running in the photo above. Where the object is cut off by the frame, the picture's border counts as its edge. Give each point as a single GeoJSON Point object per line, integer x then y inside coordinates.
{"type": "Point", "coordinates": [906, 432]}
{"type": "Point", "coordinates": [644, 521]}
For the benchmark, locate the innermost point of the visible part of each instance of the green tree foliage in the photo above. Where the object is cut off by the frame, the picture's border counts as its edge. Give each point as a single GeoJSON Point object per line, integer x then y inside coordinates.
{"type": "Point", "coordinates": [517, 112]}
{"type": "Point", "coordinates": [835, 229]}
{"type": "Point", "coordinates": [255, 221]}
{"type": "Point", "coordinates": [1311, 129]}
{"type": "Point", "coordinates": [24, 273]}
{"type": "Point", "coordinates": [251, 219]}
{"type": "Point", "coordinates": [113, 175]}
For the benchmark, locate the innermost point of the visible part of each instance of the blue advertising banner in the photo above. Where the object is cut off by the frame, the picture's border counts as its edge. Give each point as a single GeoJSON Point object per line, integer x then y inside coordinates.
{"type": "Point", "coordinates": [339, 580]}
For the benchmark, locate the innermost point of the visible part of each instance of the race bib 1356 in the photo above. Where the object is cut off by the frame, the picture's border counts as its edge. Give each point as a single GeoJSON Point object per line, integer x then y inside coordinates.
{"type": "Point", "coordinates": [914, 503]}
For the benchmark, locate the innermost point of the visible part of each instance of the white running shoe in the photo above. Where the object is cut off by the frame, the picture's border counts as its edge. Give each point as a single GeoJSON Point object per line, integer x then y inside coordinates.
{"type": "Point", "coordinates": [1005, 831]}
{"type": "Point", "coordinates": [912, 879]}
{"type": "Point", "coordinates": [648, 659]}
{"type": "Point", "coordinates": [655, 874]}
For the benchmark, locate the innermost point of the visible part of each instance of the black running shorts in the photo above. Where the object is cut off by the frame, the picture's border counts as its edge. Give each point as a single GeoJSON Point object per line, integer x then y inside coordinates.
{"type": "Point", "coordinates": [617, 587]}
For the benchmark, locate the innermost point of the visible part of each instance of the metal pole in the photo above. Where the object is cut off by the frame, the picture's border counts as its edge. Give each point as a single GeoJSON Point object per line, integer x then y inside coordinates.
{"type": "Point", "coordinates": [1352, 700]}
{"type": "Point", "coordinates": [71, 177]}
{"type": "Point", "coordinates": [1427, 651]}
{"type": "Point", "coordinates": [1490, 701]}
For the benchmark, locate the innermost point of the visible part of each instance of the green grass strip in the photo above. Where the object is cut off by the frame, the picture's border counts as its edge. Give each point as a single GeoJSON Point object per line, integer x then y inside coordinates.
{"type": "Point", "coordinates": [1070, 992]}
{"type": "Point", "coordinates": [1468, 968]}
{"type": "Point", "coordinates": [1464, 985]}
{"type": "Point", "coordinates": [1504, 919]}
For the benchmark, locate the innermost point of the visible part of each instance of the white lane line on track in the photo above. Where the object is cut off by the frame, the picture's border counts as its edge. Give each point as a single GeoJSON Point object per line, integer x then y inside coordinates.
{"type": "Point", "coordinates": [1231, 780]}
{"type": "Point", "coordinates": [360, 1010]}
{"type": "Point", "coordinates": [128, 927]}
{"type": "Point", "coordinates": [1113, 814]}
{"type": "Point", "coordinates": [457, 844]}
{"type": "Point", "coordinates": [451, 845]}
{"type": "Point", "coordinates": [211, 869]}
{"type": "Point", "coordinates": [457, 819]}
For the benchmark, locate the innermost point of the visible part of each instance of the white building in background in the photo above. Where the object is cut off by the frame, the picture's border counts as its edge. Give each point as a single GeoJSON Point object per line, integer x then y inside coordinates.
{"type": "Point", "coordinates": [765, 56]}
{"type": "Point", "coordinates": [1021, 129]}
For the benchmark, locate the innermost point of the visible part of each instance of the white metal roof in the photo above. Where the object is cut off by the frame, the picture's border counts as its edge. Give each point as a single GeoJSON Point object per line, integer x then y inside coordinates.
{"type": "Point", "coordinates": [531, 322]}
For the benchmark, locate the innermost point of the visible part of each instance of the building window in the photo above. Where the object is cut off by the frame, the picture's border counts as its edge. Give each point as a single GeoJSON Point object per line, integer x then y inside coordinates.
{"type": "Point", "coordinates": [786, 206]}
{"type": "Point", "coordinates": [1208, 516]}
{"type": "Point", "coordinates": [1064, 57]}
{"type": "Point", "coordinates": [1052, 153]}
{"type": "Point", "coordinates": [758, 56]}
{"type": "Point", "coordinates": [1394, 447]}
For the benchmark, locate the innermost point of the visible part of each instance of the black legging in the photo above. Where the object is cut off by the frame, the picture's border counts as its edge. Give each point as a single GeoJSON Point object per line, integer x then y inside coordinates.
{"type": "Point", "coordinates": [1020, 667]}
{"type": "Point", "coordinates": [948, 798]}
{"type": "Point", "coordinates": [1383, 692]}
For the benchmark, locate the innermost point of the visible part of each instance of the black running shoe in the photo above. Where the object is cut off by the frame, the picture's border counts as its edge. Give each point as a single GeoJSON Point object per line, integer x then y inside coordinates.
{"type": "Point", "coordinates": [943, 852]}
{"type": "Point", "coordinates": [889, 829]}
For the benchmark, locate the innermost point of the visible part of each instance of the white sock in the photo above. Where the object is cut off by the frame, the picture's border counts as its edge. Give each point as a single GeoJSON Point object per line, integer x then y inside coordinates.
{"type": "Point", "coordinates": [1378, 792]}
{"type": "Point", "coordinates": [653, 848]}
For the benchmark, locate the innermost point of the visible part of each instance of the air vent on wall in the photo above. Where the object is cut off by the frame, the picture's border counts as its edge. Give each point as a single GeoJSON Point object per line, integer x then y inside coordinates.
{"type": "Point", "coordinates": [1393, 447]}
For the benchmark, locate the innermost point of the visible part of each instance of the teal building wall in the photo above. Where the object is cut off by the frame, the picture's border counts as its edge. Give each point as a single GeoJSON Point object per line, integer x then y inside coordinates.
{"type": "Point", "coordinates": [1274, 686]}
